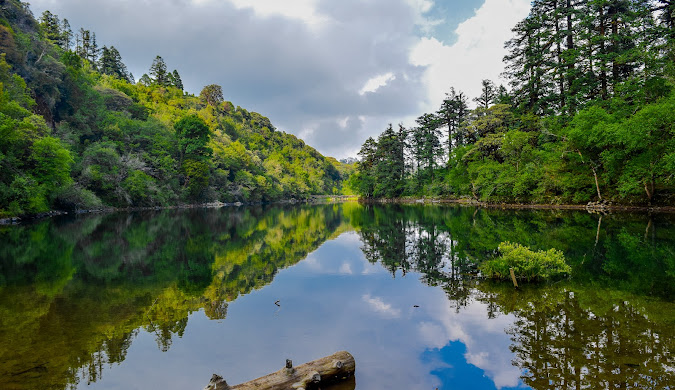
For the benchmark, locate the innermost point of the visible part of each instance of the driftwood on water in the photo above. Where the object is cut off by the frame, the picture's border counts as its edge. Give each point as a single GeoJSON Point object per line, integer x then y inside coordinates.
{"type": "Point", "coordinates": [318, 373]}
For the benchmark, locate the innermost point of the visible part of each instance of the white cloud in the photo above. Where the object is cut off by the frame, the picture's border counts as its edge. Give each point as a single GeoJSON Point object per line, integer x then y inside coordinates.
{"type": "Point", "coordinates": [306, 64]}
{"type": "Point", "coordinates": [486, 346]}
{"type": "Point", "coordinates": [346, 269]}
{"type": "Point", "coordinates": [477, 54]}
{"type": "Point", "coordinates": [304, 10]}
{"type": "Point", "coordinates": [379, 306]}
{"type": "Point", "coordinates": [377, 82]}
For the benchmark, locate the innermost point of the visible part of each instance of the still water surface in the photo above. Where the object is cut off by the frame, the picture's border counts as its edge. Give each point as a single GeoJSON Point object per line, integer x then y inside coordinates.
{"type": "Point", "coordinates": [165, 299]}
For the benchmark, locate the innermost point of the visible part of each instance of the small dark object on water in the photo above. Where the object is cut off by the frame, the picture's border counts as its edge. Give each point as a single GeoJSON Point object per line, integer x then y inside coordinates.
{"type": "Point", "coordinates": [416, 306]}
{"type": "Point", "coordinates": [277, 302]}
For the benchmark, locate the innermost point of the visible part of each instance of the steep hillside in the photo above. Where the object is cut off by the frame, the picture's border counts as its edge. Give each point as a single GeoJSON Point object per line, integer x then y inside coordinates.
{"type": "Point", "coordinates": [77, 132]}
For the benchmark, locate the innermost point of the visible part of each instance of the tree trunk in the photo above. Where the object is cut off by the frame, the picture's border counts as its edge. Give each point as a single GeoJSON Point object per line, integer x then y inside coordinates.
{"type": "Point", "coordinates": [318, 373]}
{"type": "Point", "coordinates": [570, 64]}
{"type": "Point", "coordinates": [615, 31]}
{"type": "Point", "coordinates": [603, 67]}
{"type": "Point", "coordinates": [597, 185]}
{"type": "Point", "coordinates": [561, 73]}
{"type": "Point", "coordinates": [650, 192]}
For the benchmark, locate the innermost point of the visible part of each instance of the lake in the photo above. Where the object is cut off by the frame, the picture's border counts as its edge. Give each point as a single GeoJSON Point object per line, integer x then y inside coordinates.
{"type": "Point", "coordinates": [162, 300]}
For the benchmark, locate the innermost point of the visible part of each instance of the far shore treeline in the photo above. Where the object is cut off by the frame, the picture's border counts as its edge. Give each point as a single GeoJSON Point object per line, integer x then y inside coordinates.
{"type": "Point", "coordinates": [77, 132]}
{"type": "Point", "coordinates": [588, 115]}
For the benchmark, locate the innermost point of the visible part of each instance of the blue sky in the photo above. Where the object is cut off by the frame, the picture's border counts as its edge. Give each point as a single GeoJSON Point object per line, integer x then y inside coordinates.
{"type": "Point", "coordinates": [331, 72]}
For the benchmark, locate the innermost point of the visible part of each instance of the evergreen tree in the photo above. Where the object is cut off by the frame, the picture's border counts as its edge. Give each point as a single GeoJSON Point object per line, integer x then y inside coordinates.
{"type": "Point", "coordinates": [111, 63]}
{"type": "Point", "coordinates": [427, 147]}
{"type": "Point", "coordinates": [452, 114]}
{"type": "Point", "coordinates": [51, 26]}
{"type": "Point", "coordinates": [389, 165]}
{"type": "Point", "coordinates": [176, 81]}
{"type": "Point", "coordinates": [365, 170]}
{"type": "Point", "coordinates": [83, 43]}
{"type": "Point", "coordinates": [158, 72]}
{"type": "Point", "coordinates": [66, 35]}
{"type": "Point", "coordinates": [488, 94]}
{"type": "Point", "coordinates": [145, 80]}
{"type": "Point", "coordinates": [93, 52]}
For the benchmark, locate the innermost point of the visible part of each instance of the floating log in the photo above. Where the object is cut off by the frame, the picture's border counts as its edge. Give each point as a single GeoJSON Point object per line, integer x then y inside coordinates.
{"type": "Point", "coordinates": [318, 373]}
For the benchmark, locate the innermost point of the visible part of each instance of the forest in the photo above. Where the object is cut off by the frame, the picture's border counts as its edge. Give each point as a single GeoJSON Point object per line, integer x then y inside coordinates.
{"type": "Point", "coordinates": [78, 132]}
{"type": "Point", "coordinates": [587, 116]}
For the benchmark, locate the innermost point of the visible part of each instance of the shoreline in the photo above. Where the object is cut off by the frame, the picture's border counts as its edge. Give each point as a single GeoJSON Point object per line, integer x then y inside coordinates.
{"type": "Point", "coordinates": [601, 208]}
{"type": "Point", "coordinates": [16, 220]}
{"type": "Point", "coordinates": [594, 208]}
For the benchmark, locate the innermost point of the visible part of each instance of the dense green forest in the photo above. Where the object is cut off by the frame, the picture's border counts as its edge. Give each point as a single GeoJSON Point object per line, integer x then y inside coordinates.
{"type": "Point", "coordinates": [77, 131]}
{"type": "Point", "coordinates": [588, 116]}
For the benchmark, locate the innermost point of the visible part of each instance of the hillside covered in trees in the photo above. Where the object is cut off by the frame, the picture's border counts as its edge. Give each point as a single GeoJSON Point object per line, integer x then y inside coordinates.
{"type": "Point", "coordinates": [588, 116]}
{"type": "Point", "coordinates": [77, 131]}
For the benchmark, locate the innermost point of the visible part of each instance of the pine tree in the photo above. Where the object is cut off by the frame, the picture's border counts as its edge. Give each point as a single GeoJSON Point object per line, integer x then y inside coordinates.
{"type": "Point", "coordinates": [66, 35]}
{"type": "Point", "coordinates": [176, 81]}
{"type": "Point", "coordinates": [158, 72]}
{"type": "Point", "coordinates": [111, 64]}
{"type": "Point", "coordinates": [51, 26]}
{"type": "Point", "coordinates": [488, 94]}
{"type": "Point", "coordinates": [365, 170]}
{"type": "Point", "coordinates": [427, 147]}
{"type": "Point", "coordinates": [389, 165]}
{"type": "Point", "coordinates": [93, 52]}
{"type": "Point", "coordinates": [452, 113]}
{"type": "Point", "coordinates": [145, 80]}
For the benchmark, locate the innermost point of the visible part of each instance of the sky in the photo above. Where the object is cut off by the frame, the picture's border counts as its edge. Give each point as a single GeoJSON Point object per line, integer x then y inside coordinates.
{"type": "Point", "coordinates": [332, 72]}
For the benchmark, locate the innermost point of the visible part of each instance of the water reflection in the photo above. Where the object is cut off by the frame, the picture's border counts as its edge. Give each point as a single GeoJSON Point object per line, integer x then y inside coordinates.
{"type": "Point", "coordinates": [142, 299]}
{"type": "Point", "coordinates": [75, 291]}
{"type": "Point", "coordinates": [590, 332]}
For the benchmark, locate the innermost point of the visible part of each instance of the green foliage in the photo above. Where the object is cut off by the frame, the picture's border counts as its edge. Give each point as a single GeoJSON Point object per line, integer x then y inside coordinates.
{"type": "Point", "coordinates": [527, 264]}
{"type": "Point", "coordinates": [588, 116]}
{"type": "Point", "coordinates": [92, 138]}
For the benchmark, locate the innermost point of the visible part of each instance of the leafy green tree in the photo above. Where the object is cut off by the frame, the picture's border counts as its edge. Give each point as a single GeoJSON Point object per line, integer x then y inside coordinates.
{"type": "Point", "coordinates": [193, 139]}
{"type": "Point", "coordinates": [212, 95]}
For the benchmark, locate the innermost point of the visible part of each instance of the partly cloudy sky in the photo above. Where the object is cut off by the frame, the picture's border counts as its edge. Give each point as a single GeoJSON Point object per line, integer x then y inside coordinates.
{"type": "Point", "coordinates": [333, 72]}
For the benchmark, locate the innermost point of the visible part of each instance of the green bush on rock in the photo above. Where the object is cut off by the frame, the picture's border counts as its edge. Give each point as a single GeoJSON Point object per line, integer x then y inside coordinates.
{"type": "Point", "coordinates": [527, 264]}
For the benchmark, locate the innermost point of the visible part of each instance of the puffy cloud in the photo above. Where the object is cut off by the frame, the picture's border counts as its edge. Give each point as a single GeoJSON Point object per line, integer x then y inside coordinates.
{"type": "Point", "coordinates": [309, 64]}
{"type": "Point", "coordinates": [475, 55]}
{"type": "Point", "coordinates": [379, 306]}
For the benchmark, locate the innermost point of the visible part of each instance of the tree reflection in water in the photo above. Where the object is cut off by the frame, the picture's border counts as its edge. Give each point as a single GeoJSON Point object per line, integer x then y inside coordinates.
{"type": "Point", "coordinates": [75, 292]}
{"type": "Point", "coordinates": [611, 326]}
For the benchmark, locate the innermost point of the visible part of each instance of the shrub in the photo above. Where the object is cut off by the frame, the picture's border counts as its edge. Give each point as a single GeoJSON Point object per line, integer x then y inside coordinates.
{"type": "Point", "coordinates": [75, 197]}
{"type": "Point", "coordinates": [527, 264]}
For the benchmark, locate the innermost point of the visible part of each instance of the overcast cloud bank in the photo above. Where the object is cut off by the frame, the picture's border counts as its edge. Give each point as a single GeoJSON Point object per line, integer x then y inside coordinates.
{"type": "Point", "coordinates": [331, 72]}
